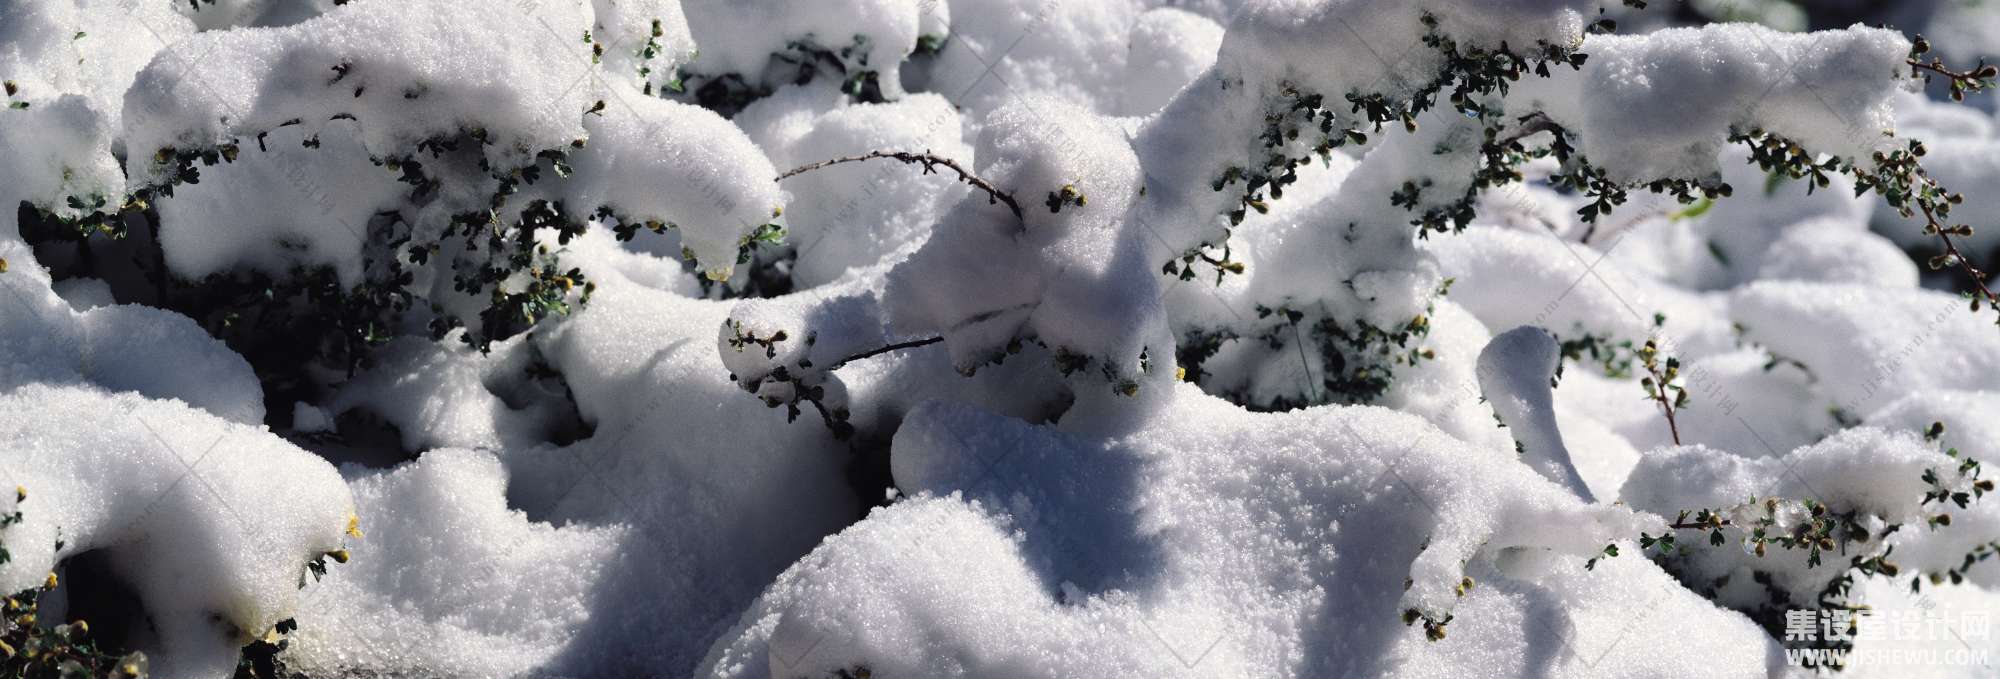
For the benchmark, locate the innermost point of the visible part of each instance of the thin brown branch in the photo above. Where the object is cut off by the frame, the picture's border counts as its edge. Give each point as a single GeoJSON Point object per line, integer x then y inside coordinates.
{"type": "Point", "coordinates": [1951, 250]}
{"type": "Point", "coordinates": [1936, 65]}
{"type": "Point", "coordinates": [912, 344]}
{"type": "Point", "coordinates": [930, 162]}
{"type": "Point", "coordinates": [1532, 124]}
{"type": "Point", "coordinates": [1686, 525]}
{"type": "Point", "coordinates": [1666, 405]}
{"type": "Point", "coordinates": [1660, 383]}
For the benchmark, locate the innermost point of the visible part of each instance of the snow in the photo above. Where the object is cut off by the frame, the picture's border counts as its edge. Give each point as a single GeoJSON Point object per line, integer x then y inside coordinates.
{"type": "Point", "coordinates": [853, 215]}
{"type": "Point", "coordinates": [1169, 49]}
{"type": "Point", "coordinates": [1446, 392]}
{"type": "Point", "coordinates": [645, 40]}
{"type": "Point", "coordinates": [165, 355]}
{"type": "Point", "coordinates": [1072, 50]}
{"type": "Point", "coordinates": [1513, 370]}
{"type": "Point", "coordinates": [1661, 105]}
{"type": "Point", "coordinates": [447, 395]}
{"type": "Point", "coordinates": [1877, 344]}
{"type": "Point", "coordinates": [1115, 433]}
{"type": "Point", "coordinates": [64, 149]}
{"type": "Point", "coordinates": [339, 93]}
{"type": "Point", "coordinates": [1234, 543]}
{"type": "Point", "coordinates": [224, 14]}
{"type": "Point", "coordinates": [1877, 473]}
{"type": "Point", "coordinates": [744, 36]}
{"type": "Point", "coordinates": [71, 64]}
{"type": "Point", "coordinates": [657, 160]}
{"type": "Point", "coordinates": [445, 53]}
{"type": "Point", "coordinates": [132, 348]}
{"type": "Point", "coordinates": [1067, 278]}
{"type": "Point", "coordinates": [84, 294]}
{"type": "Point", "coordinates": [314, 209]}
{"type": "Point", "coordinates": [1832, 252]}
{"type": "Point", "coordinates": [1567, 294]}
{"type": "Point", "coordinates": [1960, 411]}
{"type": "Point", "coordinates": [498, 593]}
{"type": "Point", "coordinates": [211, 522]}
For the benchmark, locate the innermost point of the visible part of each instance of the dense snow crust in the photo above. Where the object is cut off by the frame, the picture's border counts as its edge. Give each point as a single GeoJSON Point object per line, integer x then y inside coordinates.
{"type": "Point", "coordinates": [1154, 417]}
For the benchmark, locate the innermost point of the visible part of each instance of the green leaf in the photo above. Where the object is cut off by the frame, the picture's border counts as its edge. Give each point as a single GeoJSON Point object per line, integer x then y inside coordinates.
{"type": "Point", "coordinates": [1699, 208]}
{"type": "Point", "coordinates": [1715, 250]}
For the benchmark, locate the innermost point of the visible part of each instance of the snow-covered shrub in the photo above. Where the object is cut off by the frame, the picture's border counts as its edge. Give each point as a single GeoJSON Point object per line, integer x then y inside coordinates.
{"type": "Point", "coordinates": [860, 44]}
{"type": "Point", "coordinates": [30, 647]}
{"type": "Point", "coordinates": [1287, 338]}
{"type": "Point", "coordinates": [1869, 501]}
{"type": "Point", "coordinates": [1602, 108]}
{"type": "Point", "coordinates": [1617, 115]}
{"type": "Point", "coordinates": [398, 172]}
{"type": "Point", "coordinates": [211, 570]}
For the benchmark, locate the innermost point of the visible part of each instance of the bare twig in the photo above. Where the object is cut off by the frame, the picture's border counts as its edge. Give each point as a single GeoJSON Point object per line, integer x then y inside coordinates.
{"type": "Point", "coordinates": [871, 353]}
{"type": "Point", "coordinates": [1690, 525]}
{"type": "Point", "coordinates": [1660, 382]}
{"type": "Point", "coordinates": [1666, 406]}
{"type": "Point", "coordinates": [1532, 124]}
{"type": "Point", "coordinates": [1962, 82]}
{"type": "Point", "coordinates": [930, 162]}
{"type": "Point", "coordinates": [1951, 250]}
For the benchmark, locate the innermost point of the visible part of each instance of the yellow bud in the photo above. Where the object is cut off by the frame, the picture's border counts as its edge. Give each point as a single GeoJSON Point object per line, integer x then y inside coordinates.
{"type": "Point", "coordinates": [3, 265]}
{"type": "Point", "coordinates": [354, 525]}
{"type": "Point", "coordinates": [1180, 374]}
{"type": "Point", "coordinates": [20, 493]}
{"type": "Point", "coordinates": [339, 555]}
{"type": "Point", "coordinates": [50, 583]}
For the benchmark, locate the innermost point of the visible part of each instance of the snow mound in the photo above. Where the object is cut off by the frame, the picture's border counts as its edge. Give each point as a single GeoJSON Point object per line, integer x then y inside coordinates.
{"type": "Point", "coordinates": [1966, 415]}
{"type": "Point", "coordinates": [1075, 51]}
{"type": "Point", "coordinates": [747, 38]}
{"type": "Point", "coordinates": [1071, 273]}
{"type": "Point", "coordinates": [652, 160]}
{"type": "Point", "coordinates": [154, 352]}
{"type": "Point", "coordinates": [1517, 374]}
{"type": "Point", "coordinates": [853, 215]}
{"type": "Point", "coordinates": [1877, 475]}
{"type": "Point", "coordinates": [684, 500]}
{"type": "Point", "coordinates": [69, 64]}
{"type": "Point", "coordinates": [165, 355]}
{"type": "Point", "coordinates": [285, 208]}
{"type": "Point", "coordinates": [449, 580]}
{"type": "Point", "coordinates": [1169, 49]}
{"type": "Point", "coordinates": [405, 71]}
{"type": "Point", "coordinates": [210, 522]}
{"type": "Point", "coordinates": [1870, 346]}
{"type": "Point", "coordinates": [1662, 104]}
{"type": "Point", "coordinates": [1219, 542]}
{"type": "Point", "coordinates": [445, 394]}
